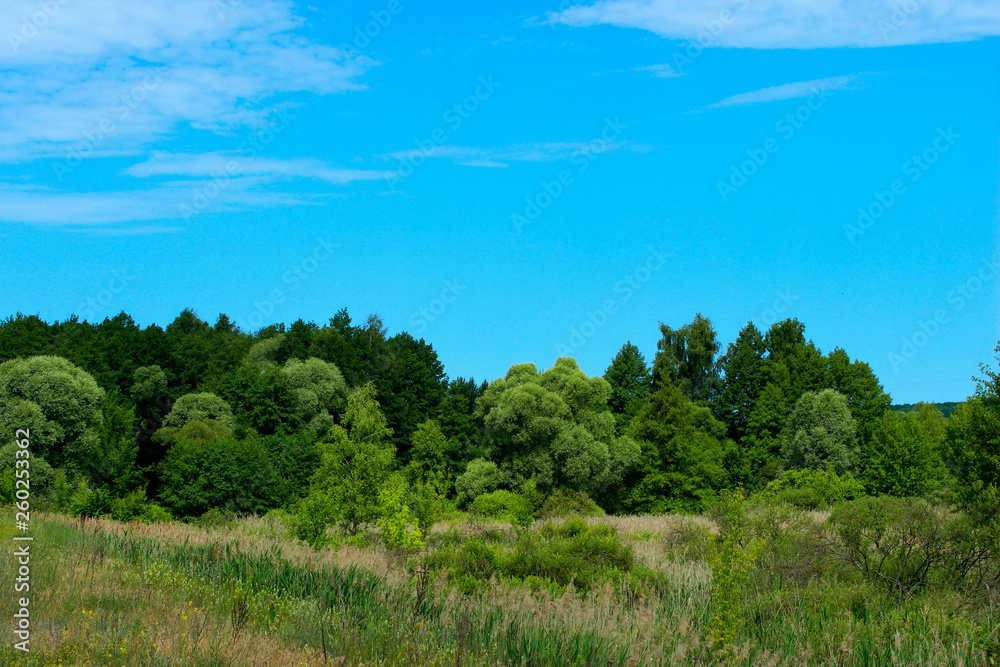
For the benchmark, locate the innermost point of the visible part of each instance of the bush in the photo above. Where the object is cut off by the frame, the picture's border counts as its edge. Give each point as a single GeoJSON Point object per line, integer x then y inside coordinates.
{"type": "Point", "coordinates": [552, 557]}
{"type": "Point", "coordinates": [504, 506]}
{"type": "Point", "coordinates": [214, 518]}
{"type": "Point", "coordinates": [480, 476]}
{"type": "Point", "coordinates": [900, 543]}
{"type": "Point", "coordinates": [567, 502]}
{"type": "Point", "coordinates": [311, 517]}
{"type": "Point", "coordinates": [812, 489]}
{"type": "Point", "coordinates": [153, 513]}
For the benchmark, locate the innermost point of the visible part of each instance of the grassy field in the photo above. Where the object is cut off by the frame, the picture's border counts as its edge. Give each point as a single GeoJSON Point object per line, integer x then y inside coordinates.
{"type": "Point", "coordinates": [107, 593]}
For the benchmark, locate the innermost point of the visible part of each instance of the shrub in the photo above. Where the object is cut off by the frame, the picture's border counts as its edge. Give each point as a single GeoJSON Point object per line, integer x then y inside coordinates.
{"type": "Point", "coordinates": [394, 516]}
{"type": "Point", "coordinates": [731, 558]}
{"type": "Point", "coordinates": [812, 489]}
{"type": "Point", "coordinates": [214, 518]}
{"type": "Point", "coordinates": [153, 513]}
{"type": "Point", "coordinates": [567, 502]}
{"type": "Point", "coordinates": [480, 476]}
{"type": "Point", "coordinates": [311, 517]}
{"type": "Point", "coordinates": [895, 542]}
{"type": "Point", "coordinates": [504, 506]}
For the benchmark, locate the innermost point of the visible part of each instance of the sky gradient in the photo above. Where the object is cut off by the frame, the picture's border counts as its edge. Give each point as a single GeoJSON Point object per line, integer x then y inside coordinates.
{"type": "Point", "coordinates": [514, 182]}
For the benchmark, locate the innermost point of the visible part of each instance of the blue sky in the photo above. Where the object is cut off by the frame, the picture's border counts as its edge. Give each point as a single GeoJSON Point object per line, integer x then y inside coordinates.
{"type": "Point", "coordinates": [515, 181]}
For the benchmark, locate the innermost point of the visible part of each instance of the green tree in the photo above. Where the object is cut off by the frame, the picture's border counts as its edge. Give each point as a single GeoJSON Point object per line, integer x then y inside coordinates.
{"type": "Point", "coordinates": [631, 384]}
{"type": "Point", "coordinates": [744, 378]}
{"type": "Point", "coordinates": [320, 392]}
{"type": "Point", "coordinates": [115, 460]}
{"type": "Point", "coordinates": [973, 436]}
{"type": "Point", "coordinates": [59, 402]}
{"type": "Point", "coordinates": [786, 343]}
{"type": "Point", "coordinates": [199, 407]}
{"type": "Point", "coordinates": [685, 358]}
{"type": "Point", "coordinates": [821, 432]}
{"type": "Point", "coordinates": [263, 399]}
{"type": "Point", "coordinates": [865, 397]}
{"type": "Point", "coordinates": [556, 427]}
{"type": "Point", "coordinates": [355, 458]}
{"type": "Point", "coordinates": [897, 460]}
{"type": "Point", "coordinates": [681, 463]}
{"type": "Point", "coordinates": [235, 475]}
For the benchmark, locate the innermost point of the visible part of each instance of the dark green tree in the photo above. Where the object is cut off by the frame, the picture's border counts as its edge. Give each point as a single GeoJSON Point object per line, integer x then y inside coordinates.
{"type": "Point", "coordinates": [631, 384]}
{"type": "Point", "coordinates": [686, 359]}
{"type": "Point", "coordinates": [744, 378]}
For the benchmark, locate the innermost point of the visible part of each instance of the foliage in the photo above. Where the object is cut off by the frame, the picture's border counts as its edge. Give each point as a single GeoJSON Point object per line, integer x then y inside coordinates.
{"type": "Point", "coordinates": [58, 402]}
{"type": "Point", "coordinates": [566, 502]}
{"type": "Point", "coordinates": [731, 556]}
{"type": "Point", "coordinates": [897, 460]}
{"type": "Point", "coordinates": [821, 432]}
{"type": "Point", "coordinates": [481, 476]}
{"type": "Point", "coordinates": [320, 391]}
{"type": "Point", "coordinates": [631, 384]}
{"type": "Point", "coordinates": [743, 369]}
{"type": "Point", "coordinates": [311, 517]}
{"type": "Point", "coordinates": [233, 474]}
{"type": "Point", "coordinates": [973, 436]}
{"type": "Point", "coordinates": [681, 460]}
{"type": "Point", "coordinates": [685, 359]}
{"type": "Point", "coordinates": [504, 506]}
{"type": "Point", "coordinates": [395, 520]}
{"type": "Point", "coordinates": [200, 407]}
{"type": "Point", "coordinates": [115, 464]}
{"type": "Point", "coordinates": [554, 426]}
{"type": "Point", "coordinates": [355, 458]}
{"type": "Point", "coordinates": [812, 489]}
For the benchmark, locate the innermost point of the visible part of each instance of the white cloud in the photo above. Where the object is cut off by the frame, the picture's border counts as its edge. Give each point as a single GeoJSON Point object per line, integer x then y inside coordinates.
{"type": "Point", "coordinates": [526, 152]}
{"type": "Point", "coordinates": [796, 24]}
{"type": "Point", "coordinates": [786, 91]}
{"type": "Point", "coordinates": [126, 73]}
{"type": "Point", "coordinates": [662, 71]}
{"type": "Point", "coordinates": [234, 164]}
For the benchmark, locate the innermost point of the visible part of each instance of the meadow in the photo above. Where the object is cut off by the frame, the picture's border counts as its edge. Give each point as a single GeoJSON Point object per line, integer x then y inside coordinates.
{"type": "Point", "coordinates": [625, 590]}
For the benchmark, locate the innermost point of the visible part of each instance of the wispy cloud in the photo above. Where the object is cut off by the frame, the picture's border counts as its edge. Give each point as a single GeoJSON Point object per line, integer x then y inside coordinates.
{"type": "Point", "coordinates": [121, 75]}
{"type": "Point", "coordinates": [662, 71]}
{"type": "Point", "coordinates": [231, 164]}
{"type": "Point", "coordinates": [786, 91]}
{"type": "Point", "coordinates": [526, 152]}
{"type": "Point", "coordinates": [779, 24]}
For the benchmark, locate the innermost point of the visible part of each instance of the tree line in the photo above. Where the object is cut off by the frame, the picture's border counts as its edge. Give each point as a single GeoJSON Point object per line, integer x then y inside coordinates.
{"type": "Point", "coordinates": [343, 423]}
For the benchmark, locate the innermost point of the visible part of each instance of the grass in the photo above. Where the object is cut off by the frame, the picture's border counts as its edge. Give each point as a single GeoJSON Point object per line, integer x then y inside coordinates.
{"type": "Point", "coordinates": [106, 593]}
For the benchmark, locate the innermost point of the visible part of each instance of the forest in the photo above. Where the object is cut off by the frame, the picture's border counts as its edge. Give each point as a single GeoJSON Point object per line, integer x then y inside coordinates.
{"type": "Point", "coordinates": [758, 503]}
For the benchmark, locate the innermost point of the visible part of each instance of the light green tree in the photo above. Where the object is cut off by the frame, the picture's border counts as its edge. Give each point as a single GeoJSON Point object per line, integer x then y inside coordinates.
{"type": "Point", "coordinates": [200, 407]}
{"type": "Point", "coordinates": [60, 404]}
{"type": "Point", "coordinates": [355, 460]}
{"type": "Point", "coordinates": [556, 427]}
{"type": "Point", "coordinates": [320, 391]}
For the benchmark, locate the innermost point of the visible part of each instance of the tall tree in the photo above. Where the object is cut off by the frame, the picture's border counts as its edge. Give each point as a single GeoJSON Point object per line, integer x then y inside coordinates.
{"type": "Point", "coordinates": [865, 396]}
{"type": "Point", "coordinates": [896, 460]}
{"type": "Point", "coordinates": [686, 359]}
{"type": "Point", "coordinates": [631, 384]}
{"type": "Point", "coordinates": [556, 427]}
{"type": "Point", "coordinates": [744, 378]}
{"type": "Point", "coordinates": [682, 452]}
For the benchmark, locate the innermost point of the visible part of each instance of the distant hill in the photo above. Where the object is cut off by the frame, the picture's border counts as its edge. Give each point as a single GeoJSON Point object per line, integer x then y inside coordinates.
{"type": "Point", "coordinates": [945, 408]}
